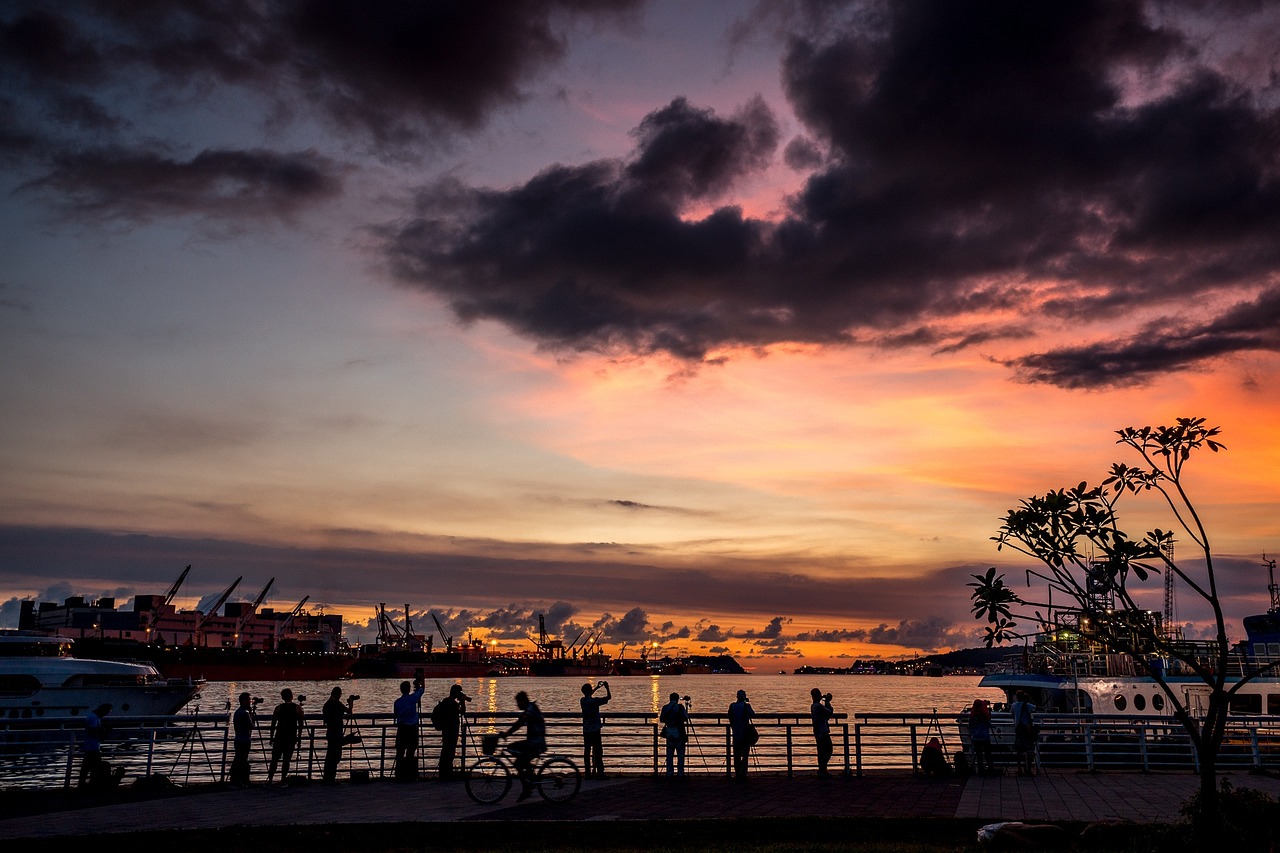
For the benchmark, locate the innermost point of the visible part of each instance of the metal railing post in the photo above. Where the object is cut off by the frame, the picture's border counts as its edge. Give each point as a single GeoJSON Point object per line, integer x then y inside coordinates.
{"type": "Point", "coordinates": [790, 767]}
{"type": "Point", "coordinates": [915, 752]}
{"type": "Point", "coordinates": [1088, 746]}
{"type": "Point", "coordinates": [857, 740]}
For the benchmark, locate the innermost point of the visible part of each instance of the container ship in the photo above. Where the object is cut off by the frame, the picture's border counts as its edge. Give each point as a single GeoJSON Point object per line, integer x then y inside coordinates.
{"type": "Point", "coordinates": [245, 642]}
{"type": "Point", "coordinates": [404, 653]}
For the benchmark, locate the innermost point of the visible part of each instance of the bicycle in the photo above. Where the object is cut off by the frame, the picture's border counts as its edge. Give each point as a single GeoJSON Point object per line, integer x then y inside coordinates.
{"type": "Point", "coordinates": [556, 778]}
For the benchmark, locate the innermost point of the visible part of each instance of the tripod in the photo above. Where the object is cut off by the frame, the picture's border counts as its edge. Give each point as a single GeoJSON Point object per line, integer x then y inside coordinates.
{"type": "Point", "coordinates": [693, 734]}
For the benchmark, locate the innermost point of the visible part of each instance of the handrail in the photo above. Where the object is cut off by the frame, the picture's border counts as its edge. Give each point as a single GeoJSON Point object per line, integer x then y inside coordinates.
{"type": "Point", "coordinates": [197, 748]}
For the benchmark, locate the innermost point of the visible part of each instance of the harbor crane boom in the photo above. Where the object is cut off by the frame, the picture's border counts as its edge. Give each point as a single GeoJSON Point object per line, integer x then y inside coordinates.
{"type": "Point", "coordinates": [173, 590]}
{"type": "Point", "coordinates": [198, 631]}
{"type": "Point", "coordinates": [252, 609]}
{"type": "Point", "coordinates": [448, 640]}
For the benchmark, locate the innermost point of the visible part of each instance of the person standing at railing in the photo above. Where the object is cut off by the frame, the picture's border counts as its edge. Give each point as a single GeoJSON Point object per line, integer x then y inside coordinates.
{"type": "Point", "coordinates": [674, 719]}
{"type": "Point", "coordinates": [822, 712]}
{"type": "Point", "coordinates": [744, 733]}
{"type": "Point", "coordinates": [408, 717]}
{"type": "Point", "coordinates": [91, 767]}
{"type": "Point", "coordinates": [242, 740]}
{"type": "Point", "coordinates": [1024, 733]}
{"type": "Point", "coordinates": [448, 716]}
{"type": "Point", "coordinates": [335, 720]}
{"type": "Point", "coordinates": [592, 727]}
{"type": "Point", "coordinates": [286, 734]}
{"type": "Point", "coordinates": [980, 735]}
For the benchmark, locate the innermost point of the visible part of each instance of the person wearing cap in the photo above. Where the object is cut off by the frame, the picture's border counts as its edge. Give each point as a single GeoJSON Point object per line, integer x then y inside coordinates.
{"type": "Point", "coordinates": [450, 728]}
{"type": "Point", "coordinates": [744, 733]}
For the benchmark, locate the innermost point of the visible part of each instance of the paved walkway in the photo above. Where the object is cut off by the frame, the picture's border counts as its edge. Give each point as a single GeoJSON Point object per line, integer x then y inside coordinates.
{"type": "Point", "coordinates": [1051, 797]}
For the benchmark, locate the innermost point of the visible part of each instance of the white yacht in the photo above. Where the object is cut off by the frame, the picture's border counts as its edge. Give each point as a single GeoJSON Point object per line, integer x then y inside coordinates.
{"type": "Point", "coordinates": [40, 680]}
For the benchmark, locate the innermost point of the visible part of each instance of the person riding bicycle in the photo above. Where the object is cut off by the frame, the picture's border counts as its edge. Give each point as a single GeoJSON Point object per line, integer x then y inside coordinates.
{"type": "Point", "coordinates": [534, 744]}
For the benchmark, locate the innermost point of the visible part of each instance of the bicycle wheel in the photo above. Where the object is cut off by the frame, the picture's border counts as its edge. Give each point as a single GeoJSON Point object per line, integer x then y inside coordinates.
{"type": "Point", "coordinates": [558, 779]}
{"type": "Point", "coordinates": [488, 780]}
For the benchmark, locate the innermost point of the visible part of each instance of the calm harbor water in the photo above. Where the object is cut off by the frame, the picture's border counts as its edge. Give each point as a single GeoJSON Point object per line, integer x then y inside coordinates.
{"type": "Point", "coordinates": [853, 694]}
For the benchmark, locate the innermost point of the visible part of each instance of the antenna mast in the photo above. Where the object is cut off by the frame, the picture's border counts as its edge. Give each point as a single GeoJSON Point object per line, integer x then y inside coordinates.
{"type": "Point", "coordinates": [1170, 598]}
{"type": "Point", "coordinates": [1271, 585]}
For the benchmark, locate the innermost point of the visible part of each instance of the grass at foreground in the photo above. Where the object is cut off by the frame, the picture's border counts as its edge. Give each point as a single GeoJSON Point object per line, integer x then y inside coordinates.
{"type": "Point", "coordinates": [760, 835]}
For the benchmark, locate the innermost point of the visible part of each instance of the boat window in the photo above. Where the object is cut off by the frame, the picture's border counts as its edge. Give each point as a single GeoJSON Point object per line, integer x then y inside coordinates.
{"type": "Point", "coordinates": [1273, 704]}
{"type": "Point", "coordinates": [1121, 704]}
{"type": "Point", "coordinates": [1246, 703]}
{"type": "Point", "coordinates": [19, 685]}
{"type": "Point", "coordinates": [1139, 702]}
{"type": "Point", "coordinates": [1157, 702]}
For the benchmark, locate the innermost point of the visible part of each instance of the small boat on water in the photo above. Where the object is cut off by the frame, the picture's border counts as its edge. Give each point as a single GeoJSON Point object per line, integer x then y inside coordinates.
{"type": "Point", "coordinates": [40, 680]}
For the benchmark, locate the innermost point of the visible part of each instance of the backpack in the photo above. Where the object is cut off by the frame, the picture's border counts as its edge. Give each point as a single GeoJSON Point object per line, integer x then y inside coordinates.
{"type": "Point", "coordinates": [441, 713]}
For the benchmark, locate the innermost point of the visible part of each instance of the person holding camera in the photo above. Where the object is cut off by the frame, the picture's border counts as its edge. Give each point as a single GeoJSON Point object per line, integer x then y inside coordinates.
{"type": "Point", "coordinates": [242, 732]}
{"type": "Point", "coordinates": [447, 717]}
{"type": "Point", "coordinates": [674, 718]}
{"type": "Point", "coordinates": [592, 725]}
{"type": "Point", "coordinates": [822, 712]}
{"type": "Point", "coordinates": [408, 717]}
{"type": "Point", "coordinates": [335, 715]}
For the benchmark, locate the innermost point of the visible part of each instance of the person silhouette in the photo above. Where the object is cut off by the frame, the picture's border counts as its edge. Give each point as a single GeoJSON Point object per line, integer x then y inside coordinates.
{"type": "Point", "coordinates": [242, 729]}
{"type": "Point", "coordinates": [592, 728]}
{"type": "Point", "coordinates": [674, 719]}
{"type": "Point", "coordinates": [821, 712]}
{"type": "Point", "coordinates": [534, 744]}
{"type": "Point", "coordinates": [408, 716]}
{"type": "Point", "coordinates": [286, 734]}
{"type": "Point", "coordinates": [744, 733]}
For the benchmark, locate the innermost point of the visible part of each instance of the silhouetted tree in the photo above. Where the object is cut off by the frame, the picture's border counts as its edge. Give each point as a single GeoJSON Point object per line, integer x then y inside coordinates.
{"type": "Point", "coordinates": [1090, 564]}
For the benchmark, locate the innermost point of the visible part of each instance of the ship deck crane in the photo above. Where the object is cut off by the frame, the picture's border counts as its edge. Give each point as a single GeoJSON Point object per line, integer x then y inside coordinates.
{"type": "Point", "coordinates": [246, 615]}
{"type": "Point", "coordinates": [154, 615]}
{"type": "Point", "coordinates": [448, 640]}
{"type": "Point", "coordinates": [198, 631]}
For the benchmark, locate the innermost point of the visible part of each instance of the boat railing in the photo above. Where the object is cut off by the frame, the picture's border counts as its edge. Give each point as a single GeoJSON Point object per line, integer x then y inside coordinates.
{"type": "Point", "coordinates": [1117, 742]}
{"type": "Point", "coordinates": [197, 749]}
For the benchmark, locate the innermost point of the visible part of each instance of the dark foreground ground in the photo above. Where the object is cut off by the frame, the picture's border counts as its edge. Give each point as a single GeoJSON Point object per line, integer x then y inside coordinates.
{"type": "Point", "coordinates": [895, 812]}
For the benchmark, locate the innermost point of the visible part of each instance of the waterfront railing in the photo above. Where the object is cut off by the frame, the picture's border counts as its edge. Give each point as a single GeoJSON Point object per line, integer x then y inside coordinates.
{"type": "Point", "coordinates": [197, 749]}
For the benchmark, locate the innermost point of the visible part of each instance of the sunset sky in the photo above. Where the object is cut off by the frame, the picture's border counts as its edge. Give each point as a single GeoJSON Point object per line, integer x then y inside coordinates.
{"type": "Point", "coordinates": [730, 326]}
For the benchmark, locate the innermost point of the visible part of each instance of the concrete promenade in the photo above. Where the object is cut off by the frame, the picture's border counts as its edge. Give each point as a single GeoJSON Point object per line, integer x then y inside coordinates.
{"type": "Point", "coordinates": [1060, 796]}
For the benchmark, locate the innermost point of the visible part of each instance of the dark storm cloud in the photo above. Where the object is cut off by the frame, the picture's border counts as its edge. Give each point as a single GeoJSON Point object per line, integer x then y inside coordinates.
{"type": "Point", "coordinates": [931, 633]}
{"type": "Point", "coordinates": [236, 185]}
{"type": "Point", "coordinates": [1252, 326]}
{"type": "Point", "coordinates": [597, 256]}
{"type": "Point", "coordinates": [1029, 158]}
{"type": "Point", "coordinates": [390, 70]}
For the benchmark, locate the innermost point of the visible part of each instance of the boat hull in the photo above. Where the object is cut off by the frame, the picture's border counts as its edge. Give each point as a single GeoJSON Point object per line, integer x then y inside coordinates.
{"type": "Point", "coordinates": [224, 664]}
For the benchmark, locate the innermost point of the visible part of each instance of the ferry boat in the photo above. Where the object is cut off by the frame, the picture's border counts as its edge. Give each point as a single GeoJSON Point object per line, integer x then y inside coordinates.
{"type": "Point", "coordinates": [1065, 671]}
{"type": "Point", "coordinates": [40, 680]}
